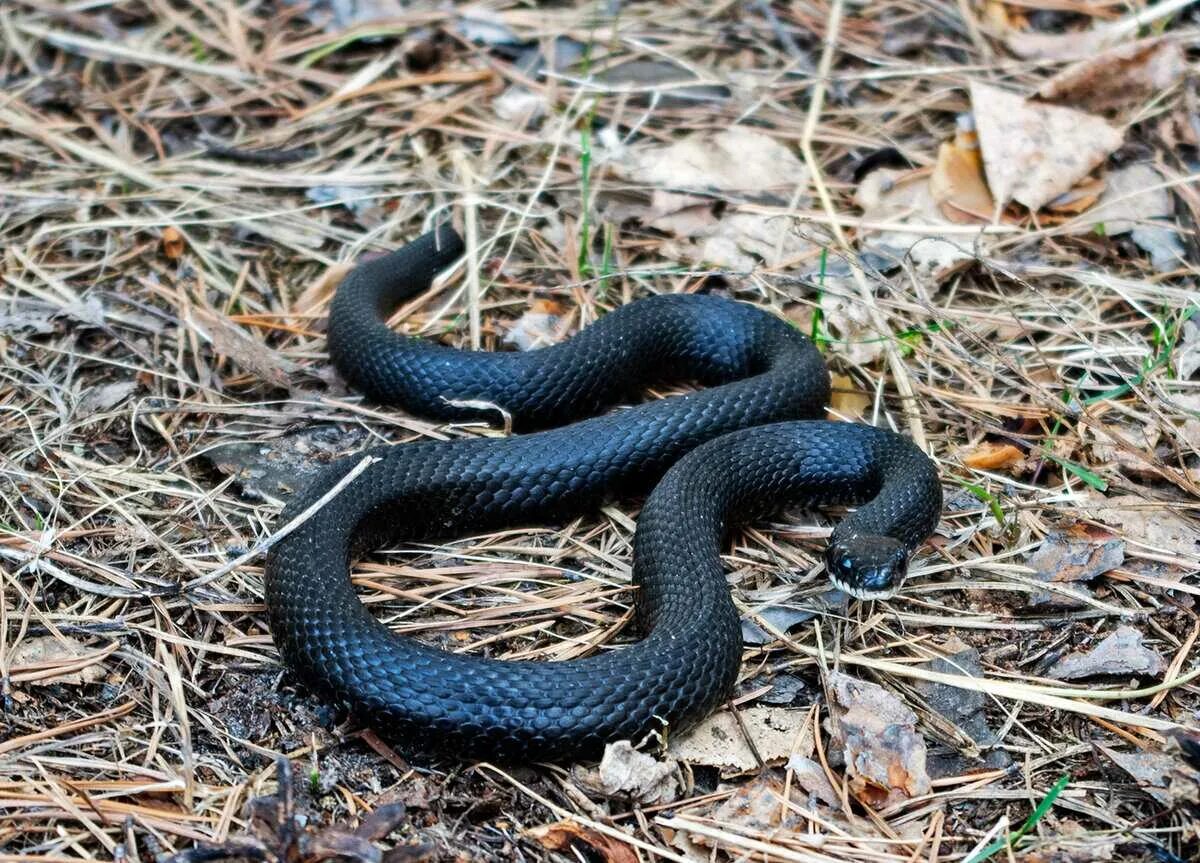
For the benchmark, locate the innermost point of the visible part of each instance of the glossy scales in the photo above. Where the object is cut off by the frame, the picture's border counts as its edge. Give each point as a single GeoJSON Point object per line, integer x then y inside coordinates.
{"type": "Point", "coordinates": [732, 459]}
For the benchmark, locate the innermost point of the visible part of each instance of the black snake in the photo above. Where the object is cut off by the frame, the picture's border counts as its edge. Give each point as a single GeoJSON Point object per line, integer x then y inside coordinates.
{"type": "Point", "coordinates": [724, 454]}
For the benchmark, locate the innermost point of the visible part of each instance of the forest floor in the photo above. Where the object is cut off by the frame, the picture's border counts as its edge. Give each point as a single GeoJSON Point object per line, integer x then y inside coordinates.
{"type": "Point", "coordinates": [983, 212]}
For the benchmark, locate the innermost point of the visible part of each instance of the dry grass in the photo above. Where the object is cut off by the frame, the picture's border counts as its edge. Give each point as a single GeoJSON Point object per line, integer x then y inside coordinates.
{"type": "Point", "coordinates": [166, 268]}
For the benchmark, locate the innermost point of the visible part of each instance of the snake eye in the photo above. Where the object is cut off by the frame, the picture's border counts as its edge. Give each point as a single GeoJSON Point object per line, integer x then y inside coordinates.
{"type": "Point", "coordinates": [847, 564]}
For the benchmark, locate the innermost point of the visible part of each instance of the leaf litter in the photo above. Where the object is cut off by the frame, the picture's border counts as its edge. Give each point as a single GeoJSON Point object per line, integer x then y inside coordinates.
{"type": "Point", "coordinates": [183, 190]}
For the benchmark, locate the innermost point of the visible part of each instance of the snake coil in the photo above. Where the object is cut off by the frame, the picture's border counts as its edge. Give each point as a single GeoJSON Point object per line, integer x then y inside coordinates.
{"type": "Point", "coordinates": [724, 454]}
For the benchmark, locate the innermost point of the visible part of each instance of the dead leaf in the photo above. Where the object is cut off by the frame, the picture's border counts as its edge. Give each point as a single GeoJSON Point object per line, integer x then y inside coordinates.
{"type": "Point", "coordinates": [720, 742]}
{"type": "Point", "coordinates": [1127, 447]}
{"type": "Point", "coordinates": [745, 241]}
{"type": "Point", "coordinates": [847, 399]}
{"type": "Point", "coordinates": [230, 340]}
{"type": "Point", "coordinates": [1030, 45]}
{"type": "Point", "coordinates": [850, 323]}
{"type": "Point", "coordinates": [904, 197]}
{"type": "Point", "coordinates": [811, 777]}
{"type": "Point", "coordinates": [1186, 355]}
{"type": "Point", "coordinates": [626, 772]}
{"type": "Point", "coordinates": [1033, 152]}
{"type": "Point", "coordinates": [758, 807]}
{"type": "Point", "coordinates": [957, 182]}
{"type": "Point", "coordinates": [172, 243]}
{"type": "Point", "coordinates": [884, 754]}
{"type": "Point", "coordinates": [1123, 653]}
{"type": "Point", "coordinates": [740, 160]}
{"type": "Point", "coordinates": [994, 456]}
{"type": "Point", "coordinates": [1155, 526]}
{"type": "Point", "coordinates": [569, 836]}
{"type": "Point", "coordinates": [1166, 777]}
{"type": "Point", "coordinates": [538, 327]}
{"type": "Point", "coordinates": [46, 660]}
{"type": "Point", "coordinates": [105, 397]}
{"type": "Point", "coordinates": [1120, 77]}
{"type": "Point", "coordinates": [1078, 198]}
{"type": "Point", "coordinates": [1079, 553]}
{"type": "Point", "coordinates": [1135, 202]}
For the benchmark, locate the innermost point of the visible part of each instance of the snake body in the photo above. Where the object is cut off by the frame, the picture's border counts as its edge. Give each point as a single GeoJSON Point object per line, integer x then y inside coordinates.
{"type": "Point", "coordinates": [724, 454]}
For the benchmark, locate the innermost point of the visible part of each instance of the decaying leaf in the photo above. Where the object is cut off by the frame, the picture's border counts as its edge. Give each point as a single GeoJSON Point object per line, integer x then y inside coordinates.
{"type": "Point", "coordinates": [1079, 553]}
{"type": "Point", "coordinates": [1136, 202]}
{"type": "Point", "coordinates": [626, 772]}
{"type": "Point", "coordinates": [1165, 777]}
{"type": "Point", "coordinates": [538, 327]}
{"type": "Point", "coordinates": [1119, 77]}
{"type": "Point", "coordinates": [896, 198]}
{"type": "Point", "coordinates": [757, 807]}
{"type": "Point", "coordinates": [957, 182]}
{"type": "Point", "coordinates": [1155, 527]}
{"type": "Point", "coordinates": [1033, 152]}
{"type": "Point", "coordinates": [739, 160]}
{"type": "Point", "coordinates": [720, 741]}
{"type": "Point", "coordinates": [884, 754]}
{"type": "Point", "coordinates": [568, 835]}
{"type": "Point", "coordinates": [811, 777]}
{"type": "Point", "coordinates": [47, 659]}
{"type": "Point", "coordinates": [847, 399]}
{"type": "Point", "coordinates": [172, 243]}
{"type": "Point", "coordinates": [1123, 653]}
{"type": "Point", "coordinates": [965, 709]}
{"type": "Point", "coordinates": [230, 340]}
{"type": "Point", "coordinates": [993, 456]}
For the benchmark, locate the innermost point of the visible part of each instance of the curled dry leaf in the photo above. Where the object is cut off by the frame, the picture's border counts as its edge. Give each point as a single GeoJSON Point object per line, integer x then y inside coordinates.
{"type": "Point", "coordinates": [172, 243]}
{"type": "Point", "coordinates": [884, 754]}
{"type": "Point", "coordinates": [1119, 77]}
{"type": "Point", "coordinates": [1123, 653]}
{"type": "Point", "coordinates": [994, 456]}
{"type": "Point", "coordinates": [1079, 553]}
{"type": "Point", "coordinates": [720, 741]}
{"type": "Point", "coordinates": [626, 772]}
{"type": "Point", "coordinates": [569, 835]}
{"type": "Point", "coordinates": [538, 327]}
{"type": "Point", "coordinates": [957, 182]}
{"type": "Point", "coordinates": [1033, 152]}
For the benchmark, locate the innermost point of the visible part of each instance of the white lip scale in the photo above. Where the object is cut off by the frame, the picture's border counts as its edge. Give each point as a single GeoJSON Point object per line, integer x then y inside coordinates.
{"type": "Point", "coordinates": [860, 594]}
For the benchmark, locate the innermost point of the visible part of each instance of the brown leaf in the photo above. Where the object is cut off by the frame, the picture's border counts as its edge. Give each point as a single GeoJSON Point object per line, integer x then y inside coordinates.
{"type": "Point", "coordinates": [1079, 197]}
{"type": "Point", "coordinates": [1122, 653]}
{"type": "Point", "coordinates": [847, 399]}
{"type": "Point", "coordinates": [994, 456]}
{"type": "Point", "coordinates": [538, 327]}
{"type": "Point", "coordinates": [957, 182]}
{"type": "Point", "coordinates": [382, 821]}
{"type": "Point", "coordinates": [1078, 554]}
{"type": "Point", "coordinates": [757, 807]}
{"type": "Point", "coordinates": [172, 243]}
{"type": "Point", "coordinates": [884, 754]}
{"type": "Point", "coordinates": [230, 340]}
{"type": "Point", "coordinates": [1164, 776]}
{"type": "Point", "coordinates": [568, 835]}
{"type": "Point", "coordinates": [1033, 152]}
{"type": "Point", "coordinates": [1119, 77]}
{"type": "Point", "coordinates": [811, 777]}
{"type": "Point", "coordinates": [1155, 526]}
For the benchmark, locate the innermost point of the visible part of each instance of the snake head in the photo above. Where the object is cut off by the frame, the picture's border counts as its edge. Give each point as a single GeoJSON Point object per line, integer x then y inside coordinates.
{"type": "Point", "coordinates": [866, 566]}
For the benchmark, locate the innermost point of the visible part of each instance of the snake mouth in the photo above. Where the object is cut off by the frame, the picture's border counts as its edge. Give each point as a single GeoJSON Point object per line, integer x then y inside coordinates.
{"type": "Point", "coordinates": [867, 566]}
{"type": "Point", "coordinates": [862, 593]}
